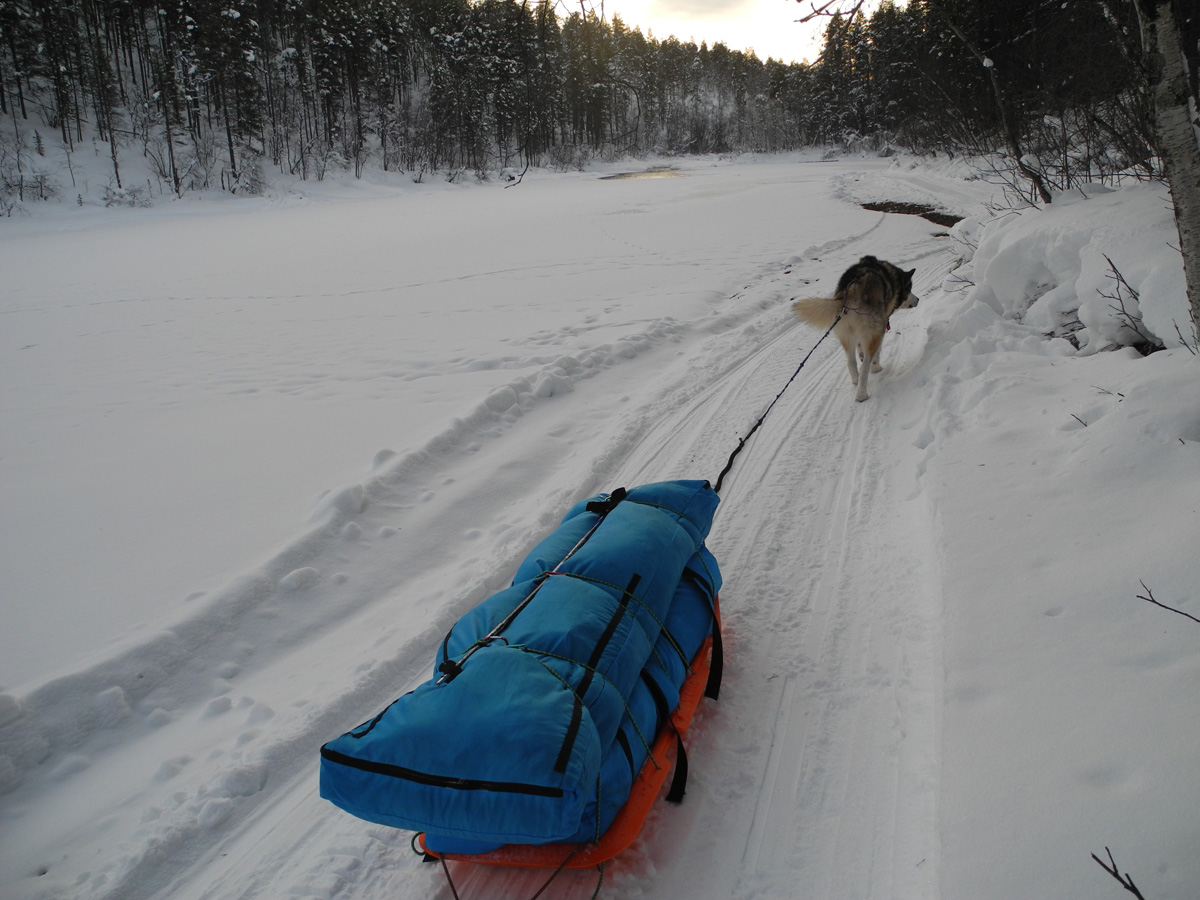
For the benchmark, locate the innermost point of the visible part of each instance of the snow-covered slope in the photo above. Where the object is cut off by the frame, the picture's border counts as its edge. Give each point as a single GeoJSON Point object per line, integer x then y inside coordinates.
{"type": "Point", "coordinates": [940, 679]}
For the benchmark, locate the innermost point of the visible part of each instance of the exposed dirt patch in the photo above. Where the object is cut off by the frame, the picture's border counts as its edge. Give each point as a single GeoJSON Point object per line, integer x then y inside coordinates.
{"type": "Point", "coordinates": [652, 172]}
{"type": "Point", "coordinates": [916, 209]}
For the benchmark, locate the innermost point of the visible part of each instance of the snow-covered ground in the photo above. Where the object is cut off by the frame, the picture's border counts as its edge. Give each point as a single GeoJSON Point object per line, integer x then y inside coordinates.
{"type": "Point", "coordinates": [257, 455]}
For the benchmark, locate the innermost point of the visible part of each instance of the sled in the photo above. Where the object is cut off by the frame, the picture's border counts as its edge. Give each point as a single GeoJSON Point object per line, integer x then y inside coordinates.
{"type": "Point", "coordinates": [625, 828]}
{"type": "Point", "coordinates": [558, 706]}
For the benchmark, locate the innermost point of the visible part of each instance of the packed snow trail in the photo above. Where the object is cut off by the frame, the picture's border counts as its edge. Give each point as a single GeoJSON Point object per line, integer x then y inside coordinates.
{"type": "Point", "coordinates": [830, 603]}
{"type": "Point", "coordinates": [823, 572]}
{"type": "Point", "coordinates": [931, 598]}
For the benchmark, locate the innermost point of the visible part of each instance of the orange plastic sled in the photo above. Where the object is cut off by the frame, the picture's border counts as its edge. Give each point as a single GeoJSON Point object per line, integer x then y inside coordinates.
{"type": "Point", "coordinates": [628, 822]}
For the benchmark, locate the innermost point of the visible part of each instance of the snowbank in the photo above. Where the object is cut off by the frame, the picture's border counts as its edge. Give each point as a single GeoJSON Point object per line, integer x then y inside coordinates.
{"type": "Point", "coordinates": [1098, 264]}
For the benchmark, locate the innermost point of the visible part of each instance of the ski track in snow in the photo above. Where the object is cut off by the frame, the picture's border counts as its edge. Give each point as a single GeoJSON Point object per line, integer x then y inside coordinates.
{"type": "Point", "coordinates": [831, 608]}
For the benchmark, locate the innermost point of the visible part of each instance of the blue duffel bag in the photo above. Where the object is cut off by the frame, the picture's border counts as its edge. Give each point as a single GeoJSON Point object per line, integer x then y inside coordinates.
{"type": "Point", "coordinates": [545, 695]}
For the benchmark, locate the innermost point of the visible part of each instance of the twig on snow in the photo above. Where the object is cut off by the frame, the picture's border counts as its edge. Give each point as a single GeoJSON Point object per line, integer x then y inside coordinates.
{"type": "Point", "coordinates": [1149, 598]}
{"type": "Point", "coordinates": [956, 284]}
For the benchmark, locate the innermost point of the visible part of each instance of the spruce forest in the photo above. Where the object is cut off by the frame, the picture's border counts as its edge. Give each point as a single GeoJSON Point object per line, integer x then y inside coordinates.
{"type": "Point", "coordinates": [213, 93]}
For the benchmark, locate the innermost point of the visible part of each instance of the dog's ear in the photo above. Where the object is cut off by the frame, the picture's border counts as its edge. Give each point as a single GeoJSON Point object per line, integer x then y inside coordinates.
{"type": "Point", "coordinates": [911, 272]}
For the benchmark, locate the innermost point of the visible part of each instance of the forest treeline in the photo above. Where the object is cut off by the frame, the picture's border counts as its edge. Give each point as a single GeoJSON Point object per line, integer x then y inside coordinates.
{"type": "Point", "coordinates": [211, 92]}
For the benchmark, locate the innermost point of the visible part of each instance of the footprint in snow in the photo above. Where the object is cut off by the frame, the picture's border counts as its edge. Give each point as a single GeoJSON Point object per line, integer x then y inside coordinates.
{"type": "Point", "coordinates": [299, 579]}
{"type": "Point", "coordinates": [218, 706]}
{"type": "Point", "coordinates": [112, 708]}
{"type": "Point", "coordinates": [10, 708]}
{"type": "Point", "coordinates": [243, 781]}
{"type": "Point", "coordinates": [72, 764]}
{"type": "Point", "coordinates": [228, 670]}
{"type": "Point", "coordinates": [382, 458]}
{"type": "Point", "coordinates": [350, 500]}
{"type": "Point", "coordinates": [214, 812]}
{"type": "Point", "coordinates": [171, 767]}
{"type": "Point", "coordinates": [259, 713]}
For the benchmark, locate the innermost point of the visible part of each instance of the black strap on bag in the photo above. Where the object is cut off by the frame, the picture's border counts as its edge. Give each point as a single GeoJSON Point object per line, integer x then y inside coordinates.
{"type": "Point", "coordinates": [679, 779]}
{"type": "Point", "coordinates": [452, 668]}
{"type": "Point", "coordinates": [605, 506]}
{"type": "Point", "coordinates": [716, 667]}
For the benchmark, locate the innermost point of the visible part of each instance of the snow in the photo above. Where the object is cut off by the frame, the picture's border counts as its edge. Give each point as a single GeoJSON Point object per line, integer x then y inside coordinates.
{"type": "Point", "coordinates": [257, 455]}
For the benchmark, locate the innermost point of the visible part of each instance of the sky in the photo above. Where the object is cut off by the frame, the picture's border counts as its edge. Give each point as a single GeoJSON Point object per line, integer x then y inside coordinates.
{"type": "Point", "coordinates": [769, 27]}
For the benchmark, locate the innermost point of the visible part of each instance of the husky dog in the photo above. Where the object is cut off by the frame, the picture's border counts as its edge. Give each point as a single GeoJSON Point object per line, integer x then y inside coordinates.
{"type": "Point", "coordinates": [867, 295]}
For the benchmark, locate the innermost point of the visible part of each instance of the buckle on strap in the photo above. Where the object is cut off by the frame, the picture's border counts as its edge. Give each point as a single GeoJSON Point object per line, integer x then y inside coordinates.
{"type": "Point", "coordinates": [605, 506]}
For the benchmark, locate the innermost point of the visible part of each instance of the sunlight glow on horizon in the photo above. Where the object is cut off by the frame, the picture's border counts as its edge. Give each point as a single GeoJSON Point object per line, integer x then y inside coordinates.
{"type": "Point", "coordinates": [768, 27]}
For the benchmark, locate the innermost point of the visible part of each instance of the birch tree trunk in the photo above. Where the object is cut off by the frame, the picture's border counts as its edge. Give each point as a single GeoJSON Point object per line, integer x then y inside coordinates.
{"type": "Point", "coordinates": [1174, 109]}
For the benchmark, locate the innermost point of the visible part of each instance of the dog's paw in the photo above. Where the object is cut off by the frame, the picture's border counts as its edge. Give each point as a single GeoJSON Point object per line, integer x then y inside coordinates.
{"type": "Point", "coordinates": [861, 396]}
{"type": "Point", "coordinates": [876, 367]}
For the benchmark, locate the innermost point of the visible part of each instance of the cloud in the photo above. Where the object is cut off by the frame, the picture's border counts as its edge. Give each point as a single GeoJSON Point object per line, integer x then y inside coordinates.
{"type": "Point", "coordinates": [699, 9]}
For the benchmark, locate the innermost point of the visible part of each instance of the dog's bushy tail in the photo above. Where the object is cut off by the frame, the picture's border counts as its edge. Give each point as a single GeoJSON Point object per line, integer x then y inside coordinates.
{"type": "Point", "coordinates": [817, 311]}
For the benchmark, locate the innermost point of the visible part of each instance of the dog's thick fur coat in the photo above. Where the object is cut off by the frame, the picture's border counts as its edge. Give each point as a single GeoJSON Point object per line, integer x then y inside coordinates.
{"type": "Point", "coordinates": [867, 295]}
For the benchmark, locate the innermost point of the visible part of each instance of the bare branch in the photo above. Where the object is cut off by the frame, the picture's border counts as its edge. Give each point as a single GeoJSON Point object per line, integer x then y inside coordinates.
{"type": "Point", "coordinates": [1126, 881]}
{"type": "Point", "coordinates": [1008, 122]}
{"type": "Point", "coordinates": [1130, 320]}
{"type": "Point", "coordinates": [956, 284]}
{"type": "Point", "coordinates": [520, 177]}
{"type": "Point", "coordinates": [585, 9]}
{"type": "Point", "coordinates": [1182, 339]}
{"type": "Point", "coordinates": [823, 10]}
{"type": "Point", "coordinates": [1149, 598]}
